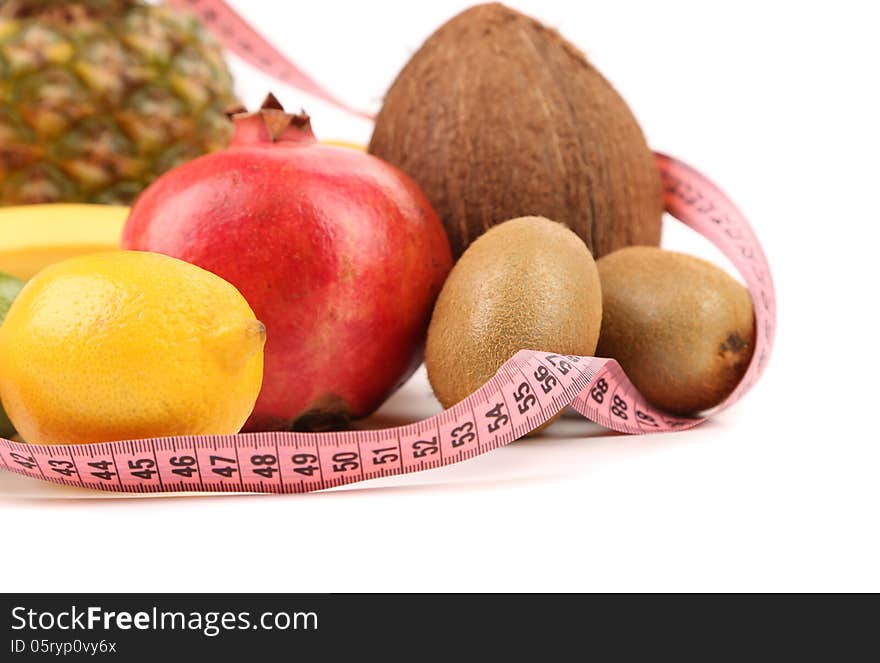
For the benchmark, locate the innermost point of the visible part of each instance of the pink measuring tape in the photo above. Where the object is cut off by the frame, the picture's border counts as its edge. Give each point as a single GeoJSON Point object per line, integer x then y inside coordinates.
{"type": "Point", "coordinates": [526, 392]}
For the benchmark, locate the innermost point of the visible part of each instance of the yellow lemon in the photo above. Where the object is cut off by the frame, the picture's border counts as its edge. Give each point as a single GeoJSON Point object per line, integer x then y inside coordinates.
{"type": "Point", "coordinates": [125, 345]}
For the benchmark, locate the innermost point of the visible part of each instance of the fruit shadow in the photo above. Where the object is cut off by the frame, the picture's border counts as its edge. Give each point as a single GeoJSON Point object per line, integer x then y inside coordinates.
{"type": "Point", "coordinates": [572, 449]}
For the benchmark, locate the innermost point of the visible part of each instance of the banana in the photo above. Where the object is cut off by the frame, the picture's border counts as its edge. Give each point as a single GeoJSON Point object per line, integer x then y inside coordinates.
{"type": "Point", "coordinates": [35, 236]}
{"type": "Point", "coordinates": [344, 143]}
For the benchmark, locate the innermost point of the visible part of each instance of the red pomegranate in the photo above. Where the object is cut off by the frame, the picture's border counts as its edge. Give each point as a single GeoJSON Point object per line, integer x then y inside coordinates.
{"type": "Point", "coordinates": [338, 253]}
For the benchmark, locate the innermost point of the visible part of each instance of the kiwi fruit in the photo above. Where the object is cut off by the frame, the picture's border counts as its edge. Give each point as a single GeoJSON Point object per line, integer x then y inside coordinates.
{"type": "Point", "coordinates": [526, 284]}
{"type": "Point", "coordinates": [681, 328]}
{"type": "Point", "coordinates": [498, 116]}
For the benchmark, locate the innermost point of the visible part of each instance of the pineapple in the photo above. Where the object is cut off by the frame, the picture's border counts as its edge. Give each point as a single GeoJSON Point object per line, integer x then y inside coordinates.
{"type": "Point", "coordinates": [99, 97]}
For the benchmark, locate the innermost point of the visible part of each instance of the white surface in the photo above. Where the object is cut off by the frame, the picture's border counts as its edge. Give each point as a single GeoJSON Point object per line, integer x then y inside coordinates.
{"type": "Point", "coordinates": [779, 104]}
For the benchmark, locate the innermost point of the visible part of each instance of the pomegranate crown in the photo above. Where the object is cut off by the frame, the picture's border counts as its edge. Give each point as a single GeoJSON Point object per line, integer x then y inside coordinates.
{"type": "Point", "coordinates": [270, 123]}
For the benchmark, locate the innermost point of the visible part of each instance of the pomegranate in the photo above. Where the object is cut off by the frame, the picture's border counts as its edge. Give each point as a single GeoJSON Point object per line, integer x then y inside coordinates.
{"type": "Point", "coordinates": [339, 253]}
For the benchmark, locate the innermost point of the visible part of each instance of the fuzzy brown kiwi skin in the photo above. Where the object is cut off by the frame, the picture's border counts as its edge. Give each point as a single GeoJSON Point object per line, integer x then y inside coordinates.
{"type": "Point", "coordinates": [528, 283]}
{"type": "Point", "coordinates": [681, 328]}
{"type": "Point", "coordinates": [498, 116]}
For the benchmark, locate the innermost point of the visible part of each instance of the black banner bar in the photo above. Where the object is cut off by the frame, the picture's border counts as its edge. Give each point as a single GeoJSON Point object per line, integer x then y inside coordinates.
{"type": "Point", "coordinates": [121, 627]}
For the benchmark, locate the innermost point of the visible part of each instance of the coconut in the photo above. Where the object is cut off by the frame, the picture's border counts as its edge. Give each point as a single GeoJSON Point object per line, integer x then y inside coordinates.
{"type": "Point", "coordinates": [497, 116]}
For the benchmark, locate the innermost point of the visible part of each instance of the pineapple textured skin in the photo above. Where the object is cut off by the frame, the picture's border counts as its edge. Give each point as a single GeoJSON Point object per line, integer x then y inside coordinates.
{"type": "Point", "coordinates": [100, 97]}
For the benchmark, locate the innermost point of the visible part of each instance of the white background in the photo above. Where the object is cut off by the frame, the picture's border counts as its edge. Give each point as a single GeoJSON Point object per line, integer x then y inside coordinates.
{"type": "Point", "coordinates": [777, 102]}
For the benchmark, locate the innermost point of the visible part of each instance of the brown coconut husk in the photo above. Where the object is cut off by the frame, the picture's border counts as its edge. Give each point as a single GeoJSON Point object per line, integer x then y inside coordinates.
{"type": "Point", "coordinates": [497, 116]}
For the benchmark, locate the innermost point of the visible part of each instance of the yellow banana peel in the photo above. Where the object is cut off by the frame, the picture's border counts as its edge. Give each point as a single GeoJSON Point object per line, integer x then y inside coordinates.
{"type": "Point", "coordinates": [35, 236]}
{"type": "Point", "coordinates": [345, 143]}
